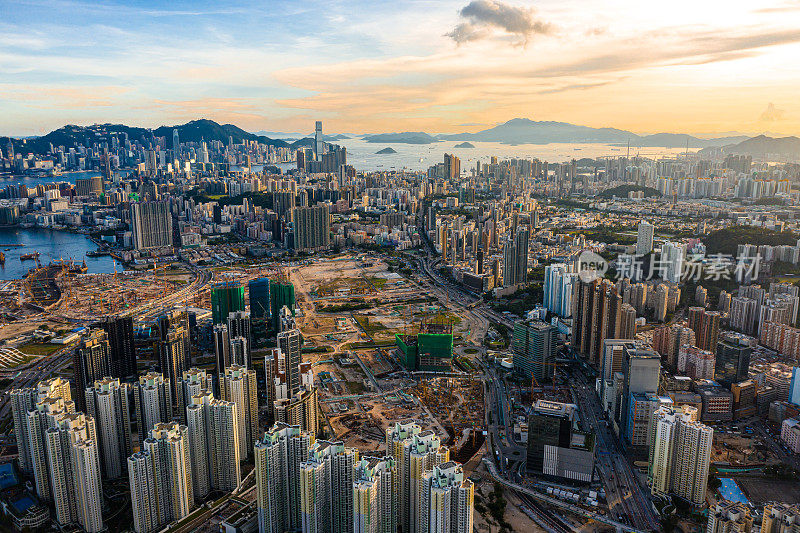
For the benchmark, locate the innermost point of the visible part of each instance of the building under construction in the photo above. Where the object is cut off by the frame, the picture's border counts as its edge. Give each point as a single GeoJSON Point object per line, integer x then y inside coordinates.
{"type": "Point", "coordinates": [429, 350]}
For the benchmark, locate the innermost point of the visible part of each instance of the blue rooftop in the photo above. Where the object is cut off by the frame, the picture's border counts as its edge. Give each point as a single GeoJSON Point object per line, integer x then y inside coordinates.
{"type": "Point", "coordinates": [731, 491]}
{"type": "Point", "coordinates": [8, 478]}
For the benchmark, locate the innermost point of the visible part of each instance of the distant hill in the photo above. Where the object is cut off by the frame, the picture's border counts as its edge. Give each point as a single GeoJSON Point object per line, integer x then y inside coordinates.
{"type": "Point", "coordinates": [526, 131]}
{"type": "Point", "coordinates": [387, 150]}
{"type": "Point", "coordinates": [194, 131]}
{"type": "Point", "coordinates": [727, 240]}
{"type": "Point", "coordinates": [407, 137]}
{"type": "Point", "coordinates": [762, 146]}
{"type": "Point", "coordinates": [465, 144]}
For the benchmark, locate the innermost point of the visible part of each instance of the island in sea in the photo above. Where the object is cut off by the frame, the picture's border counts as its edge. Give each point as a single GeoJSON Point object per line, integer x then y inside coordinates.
{"type": "Point", "coordinates": [465, 144]}
{"type": "Point", "coordinates": [387, 150]}
{"type": "Point", "coordinates": [406, 137]}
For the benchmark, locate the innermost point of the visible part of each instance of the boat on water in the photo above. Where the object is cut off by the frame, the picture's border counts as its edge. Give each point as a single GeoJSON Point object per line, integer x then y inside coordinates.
{"type": "Point", "coordinates": [29, 257]}
{"type": "Point", "coordinates": [98, 253]}
{"type": "Point", "coordinates": [2, 258]}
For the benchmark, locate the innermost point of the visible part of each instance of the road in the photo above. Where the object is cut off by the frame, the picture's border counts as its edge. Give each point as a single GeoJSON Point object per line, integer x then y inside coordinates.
{"type": "Point", "coordinates": [624, 493]}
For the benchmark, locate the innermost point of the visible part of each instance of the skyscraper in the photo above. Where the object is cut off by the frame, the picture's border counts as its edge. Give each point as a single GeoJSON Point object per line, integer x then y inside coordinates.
{"type": "Point", "coordinates": [281, 293]}
{"type": "Point", "coordinates": [780, 518]}
{"type": "Point", "coordinates": [326, 487]}
{"type": "Point", "coordinates": [446, 500]}
{"type": "Point", "coordinates": [192, 382]}
{"type": "Point", "coordinates": [238, 385]}
{"type": "Point", "coordinates": [222, 347]}
{"type": "Point", "coordinates": [143, 489]}
{"type": "Point", "coordinates": [515, 259]}
{"type": "Point", "coordinates": [375, 495]}
{"type": "Point", "coordinates": [705, 325]}
{"type": "Point", "coordinates": [213, 430]}
{"type": "Point", "coordinates": [225, 299]}
{"type": "Point", "coordinates": [597, 316]}
{"type": "Point", "coordinates": [107, 403]}
{"type": "Point", "coordinates": [152, 396]}
{"type": "Point", "coordinates": [289, 343]}
{"type": "Point", "coordinates": [173, 356]}
{"type": "Point", "coordinates": [319, 145]}
{"type": "Point", "coordinates": [151, 224]}
{"type": "Point", "coordinates": [534, 347]}
{"type": "Point", "coordinates": [680, 454]}
{"type": "Point", "coordinates": [312, 228]}
{"type": "Point", "coordinates": [278, 456]}
{"type": "Point", "coordinates": [74, 466]}
{"type": "Point", "coordinates": [91, 361]}
{"type": "Point", "coordinates": [733, 358]}
{"type": "Point", "coordinates": [558, 281]}
{"type": "Point", "coordinates": [300, 409]}
{"type": "Point", "coordinates": [729, 517]}
{"type": "Point", "coordinates": [170, 484]}
{"type": "Point", "coordinates": [644, 238]}
{"type": "Point", "coordinates": [415, 451]}
{"type": "Point", "coordinates": [672, 256]}
{"type": "Point", "coordinates": [119, 331]}
{"type": "Point", "coordinates": [239, 326]}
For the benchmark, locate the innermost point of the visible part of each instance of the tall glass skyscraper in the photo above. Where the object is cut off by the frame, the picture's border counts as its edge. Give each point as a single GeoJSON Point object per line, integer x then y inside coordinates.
{"type": "Point", "coordinates": [225, 299]}
{"type": "Point", "coordinates": [259, 298]}
{"type": "Point", "coordinates": [280, 293]}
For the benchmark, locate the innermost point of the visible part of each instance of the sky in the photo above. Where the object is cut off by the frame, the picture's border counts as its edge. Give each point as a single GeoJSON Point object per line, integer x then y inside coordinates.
{"type": "Point", "coordinates": [702, 67]}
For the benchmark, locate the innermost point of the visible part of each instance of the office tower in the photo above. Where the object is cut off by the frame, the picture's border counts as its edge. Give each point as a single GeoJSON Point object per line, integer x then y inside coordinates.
{"type": "Point", "coordinates": [515, 259]}
{"type": "Point", "coordinates": [780, 518]}
{"type": "Point", "coordinates": [226, 298]}
{"type": "Point", "coordinates": [222, 348]}
{"type": "Point", "coordinates": [278, 456]}
{"type": "Point", "coordinates": [119, 331]}
{"type": "Point", "coordinates": [644, 238]}
{"type": "Point", "coordinates": [176, 144]}
{"type": "Point", "coordinates": [300, 409]}
{"type": "Point", "coordinates": [143, 492]}
{"type": "Point", "coordinates": [281, 294]}
{"type": "Point", "coordinates": [259, 298]}
{"type": "Point", "coordinates": [312, 228]}
{"type": "Point", "coordinates": [289, 343]}
{"type": "Point", "coordinates": [326, 487]}
{"type": "Point", "coordinates": [534, 347]}
{"type": "Point", "coordinates": [89, 186]}
{"type": "Point", "coordinates": [705, 325]}
{"type": "Point", "coordinates": [375, 495]}
{"type": "Point", "coordinates": [446, 500]}
{"type": "Point", "coordinates": [627, 322]}
{"type": "Point", "coordinates": [668, 340]}
{"type": "Point", "coordinates": [452, 167]}
{"type": "Point", "coordinates": [415, 452]}
{"type": "Point", "coordinates": [74, 466]}
{"type": "Point", "coordinates": [319, 145]}
{"type": "Point", "coordinates": [729, 517]}
{"type": "Point", "coordinates": [152, 396]}
{"type": "Point", "coordinates": [238, 385]}
{"type": "Point", "coordinates": [672, 256]}
{"type": "Point", "coordinates": [558, 281]}
{"type": "Point", "coordinates": [641, 371]}
{"type": "Point", "coordinates": [239, 326]}
{"type": "Point", "coordinates": [598, 312]}
{"type": "Point", "coordinates": [733, 358]}
{"type": "Point", "coordinates": [169, 483]}
{"type": "Point", "coordinates": [680, 454]}
{"type": "Point", "coordinates": [151, 224]}
{"type": "Point", "coordinates": [107, 403]}
{"type": "Point", "coordinates": [192, 382]}
{"type": "Point", "coordinates": [90, 362]}
{"type": "Point", "coordinates": [174, 358]}
{"type": "Point", "coordinates": [555, 448]}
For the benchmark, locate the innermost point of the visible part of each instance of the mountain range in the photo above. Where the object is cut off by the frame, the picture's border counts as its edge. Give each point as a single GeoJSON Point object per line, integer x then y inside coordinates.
{"type": "Point", "coordinates": [515, 131]}
{"type": "Point", "coordinates": [193, 131]}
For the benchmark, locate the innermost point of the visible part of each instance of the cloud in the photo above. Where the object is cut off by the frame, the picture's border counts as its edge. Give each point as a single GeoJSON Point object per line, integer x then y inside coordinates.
{"type": "Point", "coordinates": [772, 114]}
{"type": "Point", "coordinates": [482, 18]}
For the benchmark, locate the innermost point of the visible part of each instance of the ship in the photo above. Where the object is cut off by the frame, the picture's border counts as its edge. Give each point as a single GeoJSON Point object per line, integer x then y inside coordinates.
{"type": "Point", "coordinates": [31, 256]}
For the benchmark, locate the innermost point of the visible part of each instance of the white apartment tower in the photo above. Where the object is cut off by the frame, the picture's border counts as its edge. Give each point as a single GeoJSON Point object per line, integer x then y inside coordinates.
{"type": "Point", "coordinates": [107, 403]}
{"type": "Point", "coordinates": [238, 385]}
{"type": "Point", "coordinates": [326, 488]}
{"type": "Point", "coordinates": [446, 500]}
{"type": "Point", "coordinates": [278, 456]}
{"type": "Point", "coordinates": [680, 453]}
